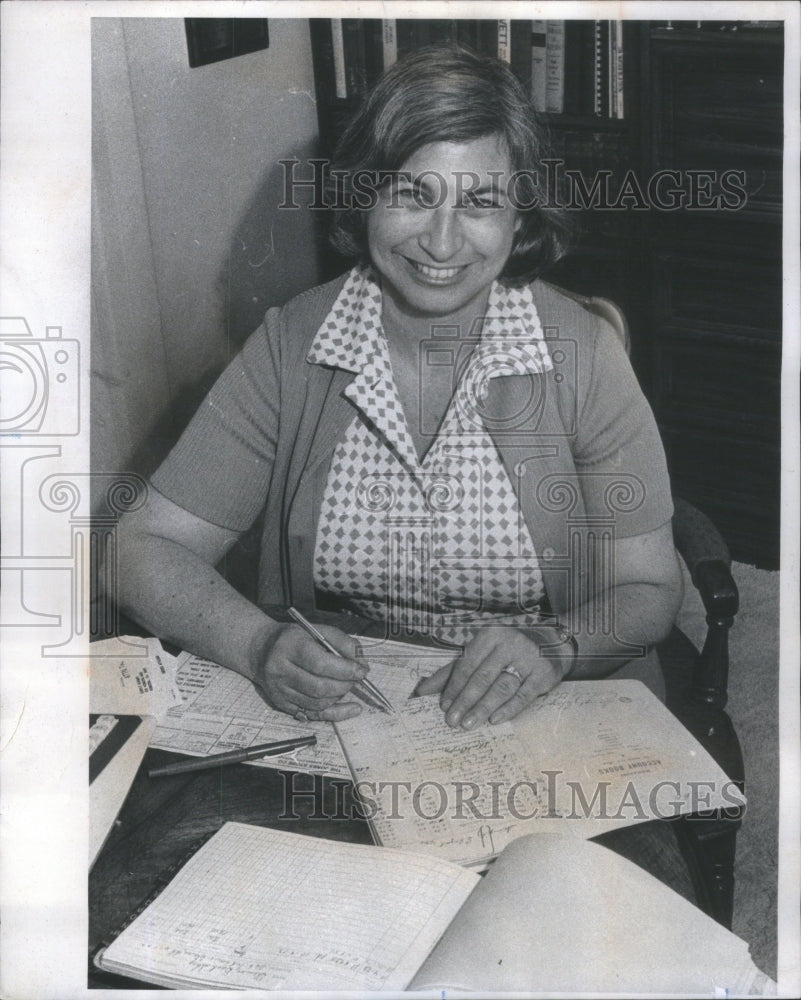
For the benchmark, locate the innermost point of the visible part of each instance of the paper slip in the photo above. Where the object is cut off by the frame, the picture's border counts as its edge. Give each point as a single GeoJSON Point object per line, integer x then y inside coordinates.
{"type": "Point", "coordinates": [135, 684]}
{"type": "Point", "coordinates": [221, 710]}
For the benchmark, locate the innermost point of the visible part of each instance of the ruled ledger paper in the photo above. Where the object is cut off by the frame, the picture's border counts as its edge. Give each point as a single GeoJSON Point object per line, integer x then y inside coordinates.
{"type": "Point", "coordinates": [272, 910]}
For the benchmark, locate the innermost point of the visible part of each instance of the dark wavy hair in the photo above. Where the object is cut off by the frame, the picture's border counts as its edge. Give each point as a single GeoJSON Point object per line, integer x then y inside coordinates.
{"type": "Point", "coordinates": [449, 93]}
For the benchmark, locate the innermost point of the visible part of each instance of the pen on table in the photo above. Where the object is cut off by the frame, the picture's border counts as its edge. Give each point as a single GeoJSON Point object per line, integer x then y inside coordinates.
{"type": "Point", "coordinates": [273, 749]}
{"type": "Point", "coordinates": [363, 689]}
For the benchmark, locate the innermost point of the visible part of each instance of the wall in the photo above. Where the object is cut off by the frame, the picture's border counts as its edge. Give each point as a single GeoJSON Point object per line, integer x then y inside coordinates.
{"type": "Point", "coordinates": [189, 248]}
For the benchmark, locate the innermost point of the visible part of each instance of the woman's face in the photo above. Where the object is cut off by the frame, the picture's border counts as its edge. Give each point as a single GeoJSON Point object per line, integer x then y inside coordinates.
{"type": "Point", "coordinates": [442, 234]}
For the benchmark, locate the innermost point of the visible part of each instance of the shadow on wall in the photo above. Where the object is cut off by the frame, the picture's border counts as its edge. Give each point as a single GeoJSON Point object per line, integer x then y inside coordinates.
{"type": "Point", "coordinates": [270, 259]}
{"type": "Point", "coordinates": [263, 268]}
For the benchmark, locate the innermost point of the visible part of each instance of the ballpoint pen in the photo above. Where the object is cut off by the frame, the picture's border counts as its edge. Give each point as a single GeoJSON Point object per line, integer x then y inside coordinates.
{"type": "Point", "coordinates": [273, 749]}
{"type": "Point", "coordinates": [363, 689]}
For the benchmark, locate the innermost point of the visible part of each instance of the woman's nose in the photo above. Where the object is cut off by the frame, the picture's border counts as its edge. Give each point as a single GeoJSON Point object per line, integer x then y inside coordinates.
{"type": "Point", "coordinates": [442, 236]}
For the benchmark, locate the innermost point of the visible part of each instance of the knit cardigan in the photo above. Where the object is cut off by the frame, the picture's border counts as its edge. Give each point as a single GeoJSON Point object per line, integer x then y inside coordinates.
{"type": "Point", "coordinates": [578, 442]}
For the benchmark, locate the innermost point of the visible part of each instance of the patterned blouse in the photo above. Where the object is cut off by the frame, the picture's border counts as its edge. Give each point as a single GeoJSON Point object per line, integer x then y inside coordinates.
{"type": "Point", "coordinates": [433, 545]}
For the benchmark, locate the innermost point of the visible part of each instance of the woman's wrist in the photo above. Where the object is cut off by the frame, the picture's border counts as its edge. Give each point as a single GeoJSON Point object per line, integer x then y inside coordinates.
{"type": "Point", "coordinates": [569, 648]}
{"type": "Point", "coordinates": [261, 641]}
{"type": "Point", "coordinates": [559, 645]}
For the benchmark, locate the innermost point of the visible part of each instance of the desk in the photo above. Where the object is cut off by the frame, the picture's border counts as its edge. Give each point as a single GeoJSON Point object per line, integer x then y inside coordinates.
{"type": "Point", "coordinates": [164, 819]}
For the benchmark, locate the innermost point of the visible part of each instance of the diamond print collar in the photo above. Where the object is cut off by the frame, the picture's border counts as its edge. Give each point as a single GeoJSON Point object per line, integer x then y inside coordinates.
{"type": "Point", "coordinates": [512, 334]}
{"type": "Point", "coordinates": [352, 338]}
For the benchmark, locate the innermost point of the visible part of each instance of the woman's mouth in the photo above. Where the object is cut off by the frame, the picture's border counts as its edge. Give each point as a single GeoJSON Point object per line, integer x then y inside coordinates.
{"type": "Point", "coordinates": [436, 275]}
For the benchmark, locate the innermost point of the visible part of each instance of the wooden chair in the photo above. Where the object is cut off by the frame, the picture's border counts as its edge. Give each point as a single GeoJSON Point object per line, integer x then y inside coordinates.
{"type": "Point", "coordinates": [696, 683]}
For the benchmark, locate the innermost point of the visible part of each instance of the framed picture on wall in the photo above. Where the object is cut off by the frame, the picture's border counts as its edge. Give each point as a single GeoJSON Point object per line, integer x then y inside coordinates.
{"type": "Point", "coordinates": [211, 39]}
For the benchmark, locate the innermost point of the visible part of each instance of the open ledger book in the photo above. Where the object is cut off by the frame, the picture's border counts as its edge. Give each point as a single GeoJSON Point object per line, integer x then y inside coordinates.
{"type": "Point", "coordinates": [589, 757]}
{"type": "Point", "coordinates": [265, 909]}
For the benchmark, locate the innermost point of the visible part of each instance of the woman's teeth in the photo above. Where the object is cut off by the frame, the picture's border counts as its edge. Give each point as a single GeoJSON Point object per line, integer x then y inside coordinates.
{"type": "Point", "coordinates": [436, 273]}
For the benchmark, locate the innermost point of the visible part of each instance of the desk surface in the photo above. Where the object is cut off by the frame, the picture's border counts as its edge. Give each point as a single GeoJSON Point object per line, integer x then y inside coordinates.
{"type": "Point", "coordinates": [163, 819]}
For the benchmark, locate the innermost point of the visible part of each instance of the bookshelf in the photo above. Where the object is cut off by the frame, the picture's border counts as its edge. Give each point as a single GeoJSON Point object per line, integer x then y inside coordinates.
{"type": "Point", "coordinates": [715, 333]}
{"type": "Point", "coordinates": [680, 125]}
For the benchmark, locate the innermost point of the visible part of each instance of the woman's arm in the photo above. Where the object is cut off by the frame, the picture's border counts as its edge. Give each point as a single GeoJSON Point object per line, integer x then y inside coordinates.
{"type": "Point", "coordinates": [169, 584]}
{"type": "Point", "coordinates": [641, 608]}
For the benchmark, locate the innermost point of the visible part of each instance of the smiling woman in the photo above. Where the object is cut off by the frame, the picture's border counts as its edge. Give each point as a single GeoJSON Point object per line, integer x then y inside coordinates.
{"type": "Point", "coordinates": [437, 256]}
{"type": "Point", "coordinates": [442, 444]}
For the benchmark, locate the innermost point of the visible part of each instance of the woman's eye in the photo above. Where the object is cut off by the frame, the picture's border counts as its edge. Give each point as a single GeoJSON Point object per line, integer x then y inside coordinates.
{"type": "Point", "coordinates": [426, 198]}
{"type": "Point", "coordinates": [482, 201]}
{"type": "Point", "coordinates": [408, 197]}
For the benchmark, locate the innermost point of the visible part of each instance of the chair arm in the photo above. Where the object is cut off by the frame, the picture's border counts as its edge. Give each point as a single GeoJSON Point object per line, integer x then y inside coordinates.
{"type": "Point", "coordinates": [709, 563]}
{"type": "Point", "coordinates": [707, 556]}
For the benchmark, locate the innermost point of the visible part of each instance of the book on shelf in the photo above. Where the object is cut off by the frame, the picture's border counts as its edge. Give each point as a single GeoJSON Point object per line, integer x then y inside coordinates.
{"type": "Point", "coordinates": [439, 30]}
{"type": "Point", "coordinates": [338, 47]}
{"type": "Point", "coordinates": [505, 41]}
{"type": "Point", "coordinates": [520, 51]}
{"type": "Point", "coordinates": [407, 38]}
{"type": "Point", "coordinates": [271, 910]}
{"type": "Point", "coordinates": [467, 33]}
{"type": "Point", "coordinates": [569, 67]}
{"type": "Point", "coordinates": [538, 52]}
{"type": "Point", "coordinates": [616, 70]}
{"type": "Point", "coordinates": [600, 101]}
{"type": "Point", "coordinates": [359, 50]}
{"type": "Point", "coordinates": [353, 44]}
{"type": "Point", "coordinates": [577, 67]}
{"type": "Point", "coordinates": [375, 59]}
{"type": "Point", "coordinates": [389, 43]}
{"type": "Point", "coordinates": [555, 67]}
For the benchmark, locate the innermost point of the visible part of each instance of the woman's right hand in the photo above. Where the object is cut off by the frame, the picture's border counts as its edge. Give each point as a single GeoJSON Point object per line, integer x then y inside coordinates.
{"type": "Point", "coordinates": [296, 675]}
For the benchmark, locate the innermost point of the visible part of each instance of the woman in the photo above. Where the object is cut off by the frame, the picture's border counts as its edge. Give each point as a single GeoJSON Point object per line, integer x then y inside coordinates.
{"type": "Point", "coordinates": [426, 457]}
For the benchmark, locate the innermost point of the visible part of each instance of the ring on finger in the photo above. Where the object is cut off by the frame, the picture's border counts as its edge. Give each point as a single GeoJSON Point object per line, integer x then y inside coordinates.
{"type": "Point", "coordinates": [511, 669]}
{"type": "Point", "coordinates": [301, 716]}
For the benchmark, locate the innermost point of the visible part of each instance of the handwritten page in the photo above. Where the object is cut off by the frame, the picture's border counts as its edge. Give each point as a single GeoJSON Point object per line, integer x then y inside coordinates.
{"type": "Point", "coordinates": [427, 786]}
{"type": "Point", "coordinates": [614, 756]}
{"type": "Point", "coordinates": [221, 710]}
{"type": "Point", "coordinates": [272, 910]}
{"type": "Point", "coordinates": [591, 756]}
{"type": "Point", "coordinates": [627, 933]}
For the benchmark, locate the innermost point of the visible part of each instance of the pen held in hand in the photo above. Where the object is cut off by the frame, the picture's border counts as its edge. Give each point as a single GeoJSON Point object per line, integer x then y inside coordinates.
{"type": "Point", "coordinates": [416, 693]}
{"type": "Point", "coordinates": [274, 749]}
{"type": "Point", "coordinates": [363, 689]}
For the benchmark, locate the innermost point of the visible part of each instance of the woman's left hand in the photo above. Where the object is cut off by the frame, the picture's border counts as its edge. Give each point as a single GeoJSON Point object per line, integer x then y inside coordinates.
{"type": "Point", "coordinates": [500, 672]}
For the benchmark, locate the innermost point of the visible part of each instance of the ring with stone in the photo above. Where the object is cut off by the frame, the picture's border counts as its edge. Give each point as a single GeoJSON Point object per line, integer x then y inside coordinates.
{"type": "Point", "coordinates": [514, 672]}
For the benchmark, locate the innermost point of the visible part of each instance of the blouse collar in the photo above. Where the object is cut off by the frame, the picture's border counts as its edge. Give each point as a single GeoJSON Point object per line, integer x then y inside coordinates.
{"type": "Point", "coordinates": [351, 337]}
